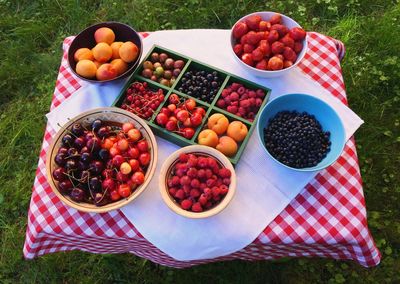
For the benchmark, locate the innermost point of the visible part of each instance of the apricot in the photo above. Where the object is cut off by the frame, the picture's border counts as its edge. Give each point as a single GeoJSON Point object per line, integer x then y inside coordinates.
{"type": "Point", "coordinates": [106, 72]}
{"type": "Point", "coordinates": [102, 52]}
{"type": "Point", "coordinates": [104, 35]}
{"type": "Point", "coordinates": [86, 68]}
{"type": "Point", "coordinates": [83, 53]}
{"type": "Point", "coordinates": [97, 63]}
{"type": "Point", "coordinates": [120, 65]}
{"type": "Point", "coordinates": [208, 137]}
{"type": "Point", "coordinates": [237, 130]}
{"type": "Point", "coordinates": [218, 122]}
{"type": "Point", "coordinates": [227, 146]}
{"type": "Point", "coordinates": [128, 51]}
{"type": "Point", "coordinates": [115, 49]}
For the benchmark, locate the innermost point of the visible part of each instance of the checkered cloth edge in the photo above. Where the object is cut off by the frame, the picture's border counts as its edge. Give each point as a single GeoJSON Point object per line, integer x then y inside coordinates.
{"type": "Point", "coordinates": [327, 219]}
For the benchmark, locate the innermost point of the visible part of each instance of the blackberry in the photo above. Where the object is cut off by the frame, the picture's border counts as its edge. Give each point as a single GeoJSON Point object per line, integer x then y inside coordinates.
{"type": "Point", "coordinates": [202, 85]}
{"type": "Point", "coordinates": [296, 139]}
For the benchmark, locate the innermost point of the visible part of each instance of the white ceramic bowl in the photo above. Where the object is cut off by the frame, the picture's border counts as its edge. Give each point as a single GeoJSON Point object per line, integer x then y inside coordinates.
{"type": "Point", "coordinates": [199, 150]}
{"type": "Point", "coordinates": [288, 22]}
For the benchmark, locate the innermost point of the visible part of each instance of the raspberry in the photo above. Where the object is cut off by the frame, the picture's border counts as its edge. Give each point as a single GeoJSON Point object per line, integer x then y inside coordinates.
{"type": "Point", "coordinates": [180, 194]}
{"type": "Point", "coordinates": [223, 189]}
{"type": "Point", "coordinates": [211, 182]}
{"type": "Point", "coordinates": [207, 192]}
{"type": "Point", "coordinates": [208, 205]}
{"type": "Point", "coordinates": [203, 199]}
{"type": "Point", "coordinates": [195, 183]}
{"type": "Point", "coordinates": [209, 173]}
{"type": "Point", "coordinates": [186, 204]}
{"type": "Point", "coordinates": [226, 181]}
{"type": "Point", "coordinates": [185, 180]}
{"type": "Point", "coordinates": [235, 86]}
{"type": "Point", "coordinates": [224, 173]}
{"type": "Point", "coordinates": [194, 193]}
{"type": "Point", "coordinates": [192, 173]}
{"type": "Point", "coordinates": [202, 162]}
{"type": "Point", "coordinates": [175, 181]}
{"type": "Point", "coordinates": [192, 162]}
{"type": "Point", "coordinates": [172, 191]}
{"type": "Point", "coordinates": [203, 185]}
{"type": "Point", "coordinates": [212, 162]}
{"type": "Point", "coordinates": [183, 158]}
{"type": "Point", "coordinates": [216, 191]}
{"type": "Point", "coordinates": [196, 207]}
{"type": "Point", "coordinates": [201, 173]}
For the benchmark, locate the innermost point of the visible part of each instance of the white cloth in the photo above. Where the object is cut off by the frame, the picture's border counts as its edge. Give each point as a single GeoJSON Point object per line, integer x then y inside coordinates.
{"type": "Point", "coordinates": [264, 188]}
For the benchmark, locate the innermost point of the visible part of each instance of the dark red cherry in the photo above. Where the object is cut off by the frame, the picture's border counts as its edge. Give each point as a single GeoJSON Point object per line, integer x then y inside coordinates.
{"type": "Point", "coordinates": [59, 174]}
{"type": "Point", "coordinates": [60, 159]}
{"type": "Point", "coordinates": [77, 194]}
{"type": "Point", "coordinates": [65, 186]}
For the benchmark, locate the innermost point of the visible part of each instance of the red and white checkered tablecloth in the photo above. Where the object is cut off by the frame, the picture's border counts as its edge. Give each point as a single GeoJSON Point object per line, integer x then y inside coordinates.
{"type": "Point", "coordinates": [327, 219]}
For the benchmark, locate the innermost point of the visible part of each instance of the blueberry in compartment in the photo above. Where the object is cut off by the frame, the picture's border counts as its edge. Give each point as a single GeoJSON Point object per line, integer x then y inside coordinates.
{"type": "Point", "coordinates": [201, 84]}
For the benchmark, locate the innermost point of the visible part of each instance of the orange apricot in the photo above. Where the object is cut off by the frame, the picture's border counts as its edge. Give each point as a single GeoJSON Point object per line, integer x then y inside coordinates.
{"type": "Point", "coordinates": [115, 49]}
{"type": "Point", "coordinates": [227, 146]}
{"type": "Point", "coordinates": [120, 65]}
{"type": "Point", "coordinates": [102, 52]}
{"type": "Point", "coordinates": [106, 72]}
{"type": "Point", "coordinates": [128, 51]}
{"type": "Point", "coordinates": [86, 68]}
{"type": "Point", "coordinates": [83, 53]}
{"type": "Point", "coordinates": [104, 35]}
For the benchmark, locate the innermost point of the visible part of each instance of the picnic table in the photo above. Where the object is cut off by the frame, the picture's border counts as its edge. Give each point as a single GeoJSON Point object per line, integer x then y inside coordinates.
{"type": "Point", "coordinates": [327, 219]}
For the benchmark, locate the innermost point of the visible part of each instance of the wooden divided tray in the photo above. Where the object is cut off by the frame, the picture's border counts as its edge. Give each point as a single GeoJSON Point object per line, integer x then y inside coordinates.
{"type": "Point", "coordinates": [211, 108]}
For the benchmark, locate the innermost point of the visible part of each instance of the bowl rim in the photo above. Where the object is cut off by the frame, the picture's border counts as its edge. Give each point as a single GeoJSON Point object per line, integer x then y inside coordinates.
{"type": "Point", "coordinates": [309, 169]}
{"type": "Point", "coordinates": [198, 149]}
{"type": "Point", "coordinates": [270, 72]}
{"type": "Point", "coordinates": [132, 68]}
{"type": "Point", "coordinates": [114, 205]}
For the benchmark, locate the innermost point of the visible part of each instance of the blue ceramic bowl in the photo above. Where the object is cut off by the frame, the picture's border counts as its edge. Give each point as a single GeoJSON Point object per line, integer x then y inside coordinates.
{"type": "Point", "coordinates": [324, 113]}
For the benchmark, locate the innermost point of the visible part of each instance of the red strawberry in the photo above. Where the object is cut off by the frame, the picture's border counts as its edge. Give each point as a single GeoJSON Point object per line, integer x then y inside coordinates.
{"type": "Point", "coordinates": [248, 48]}
{"type": "Point", "coordinates": [238, 49]}
{"type": "Point", "coordinates": [281, 29]}
{"type": "Point", "coordinates": [273, 36]}
{"type": "Point", "coordinates": [264, 26]}
{"type": "Point", "coordinates": [257, 54]}
{"type": "Point", "coordinates": [277, 47]}
{"type": "Point", "coordinates": [297, 33]}
{"type": "Point", "coordinates": [262, 65]}
{"type": "Point", "coordinates": [289, 54]}
{"type": "Point", "coordinates": [298, 46]}
{"type": "Point", "coordinates": [253, 22]}
{"type": "Point", "coordinates": [288, 41]}
{"type": "Point", "coordinates": [248, 59]}
{"type": "Point", "coordinates": [276, 19]}
{"type": "Point", "coordinates": [239, 30]}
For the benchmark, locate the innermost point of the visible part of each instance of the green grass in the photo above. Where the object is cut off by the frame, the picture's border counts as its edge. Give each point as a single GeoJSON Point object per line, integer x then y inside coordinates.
{"type": "Point", "coordinates": [31, 33]}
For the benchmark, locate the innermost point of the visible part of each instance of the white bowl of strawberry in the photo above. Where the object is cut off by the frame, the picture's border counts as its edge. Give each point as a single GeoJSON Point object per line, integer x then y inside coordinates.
{"type": "Point", "coordinates": [268, 44]}
{"type": "Point", "coordinates": [101, 160]}
{"type": "Point", "coordinates": [197, 181]}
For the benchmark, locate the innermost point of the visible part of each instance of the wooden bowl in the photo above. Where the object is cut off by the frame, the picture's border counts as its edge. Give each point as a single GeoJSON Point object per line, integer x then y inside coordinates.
{"type": "Point", "coordinates": [198, 150]}
{"type": "Point", "coordinates": [122, 33]}
{"type": "Point", "coordinates": [107, 114]}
